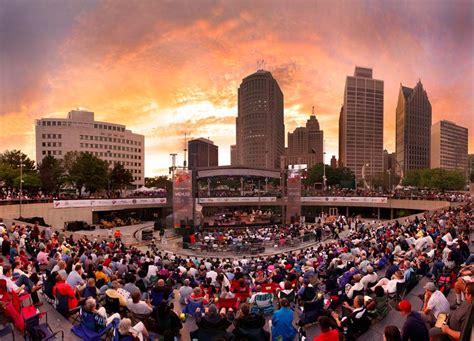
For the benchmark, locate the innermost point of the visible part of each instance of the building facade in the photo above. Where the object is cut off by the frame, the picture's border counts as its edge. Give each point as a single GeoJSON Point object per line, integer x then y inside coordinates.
{"type": "Point", "coordinates": [80, 132]}
{"type": "Point", "coordinates": [361, 124]}
{"type": "Point", "coordinates": [470, 160]}
{"type": "Point", "coordinates": [233, 155]}
{"type": "Point", "coordinates": [413, 126]}
{"type": "Point", "coordinates": [305, 144]}
{"type": "Point", "coordinates": [260, 128]}
{"type": "Point", "coordinates": [389, 161]}
{"type": "Point", "coordinates": [333, 162]}
{"type": "Point", "coordinates": [449, 143]}
{"type": "Point", "coordinates": [202, 153]}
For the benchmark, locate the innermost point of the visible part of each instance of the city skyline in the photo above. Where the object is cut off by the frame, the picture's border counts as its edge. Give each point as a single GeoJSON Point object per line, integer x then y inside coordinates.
{"type": "Point", "coordinates": [171, 69]}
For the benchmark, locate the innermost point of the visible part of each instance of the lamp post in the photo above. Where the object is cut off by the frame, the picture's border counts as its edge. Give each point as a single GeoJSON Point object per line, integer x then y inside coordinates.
{"type": "Point", "coordinates": [324, 172]}
{"type": "Point", "coordinates": [363, 175]}
{"type": "Point", "coordinates": [241, 186]}
{"type": "Point", "coordinates": [389, 171]}
{"type": "Point", "coordinates": [21, 185]}
{"type": "Point", "coordinates": [208, 187]}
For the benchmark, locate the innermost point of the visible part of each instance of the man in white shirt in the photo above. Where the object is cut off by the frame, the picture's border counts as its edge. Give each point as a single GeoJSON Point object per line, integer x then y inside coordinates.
{"type": "Point", "coordinates": [434, 303]}
{"type": "Point", "coordinates": [212, 275]}
{"type": "Point", "coordinates": [356, 288]}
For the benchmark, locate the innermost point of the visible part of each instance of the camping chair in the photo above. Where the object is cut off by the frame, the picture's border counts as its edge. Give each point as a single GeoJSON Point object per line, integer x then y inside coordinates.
{"type": "Point", "coordinates": [291, 297]}
{"type": "Point", "coordinates": [190, 308]}
{"type": "Point", "coordinates": [17, 313]}
{"type": "Point", "coordinates": [5, 331]}
{"type": "Point", "coordinates": [400, 293]}
{"type": "Point", "coordinates": [228, 303]}
{"type": "Point", "coordinates": [37, 331]}
{"type": "Point", "coordinates": [257, 308]}
{"type": "Point", "coordinates": [62, 307]}
{"type": "Point", "coordinates": [112, 305]}
{"type": "Point", "coordinates": [311, 311]}
{"type": "Point", "coordinates": [86, 334]}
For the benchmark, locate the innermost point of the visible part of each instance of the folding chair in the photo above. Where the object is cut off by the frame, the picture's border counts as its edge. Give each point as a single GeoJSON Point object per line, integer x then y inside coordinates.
{"type": "Point", "coordinates": [62, 306]}
{"type": "Point", "coordinates": [37, 331]}
{"type": "Point", "coordinates": [5, 331]}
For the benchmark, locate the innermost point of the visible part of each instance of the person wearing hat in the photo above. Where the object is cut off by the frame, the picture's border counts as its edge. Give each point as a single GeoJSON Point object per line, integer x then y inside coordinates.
{"type": "Point", "coordinates": [434, 303]}
{"type": "Point", "coordinates": [414, 328]}
{"type": "Point", "coordinates": [113, 293]}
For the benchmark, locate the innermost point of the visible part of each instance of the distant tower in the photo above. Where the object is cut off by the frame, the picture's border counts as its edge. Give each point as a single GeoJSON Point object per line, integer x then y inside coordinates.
{"type": "Point", "coordinates": [413, 126]}
{"type": "Point", "coordinates": [260, 128]}
{"type": "Point", "coordinates": [333, 162]}
{"type": "Point", "coordinates": [361, 124]}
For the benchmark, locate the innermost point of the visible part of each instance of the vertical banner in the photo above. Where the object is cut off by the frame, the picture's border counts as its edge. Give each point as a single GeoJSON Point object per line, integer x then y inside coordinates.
{"type": "Point", "coordinates": [293, 207]}
{"type": "Point", "coordinates": [182, 197]}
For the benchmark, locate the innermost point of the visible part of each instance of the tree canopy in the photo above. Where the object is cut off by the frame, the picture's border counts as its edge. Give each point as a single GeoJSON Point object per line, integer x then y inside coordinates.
{"type": "Point", "coordinates": [120, 177]}
{"type": "Point", "coordinates": [342, 177]}
{"type": "Point", "coordinates": [159, 182]}
{"type": "Point", "coordinates": [440, 179]}
{"type": "Point", "coordinates": [51, 174]}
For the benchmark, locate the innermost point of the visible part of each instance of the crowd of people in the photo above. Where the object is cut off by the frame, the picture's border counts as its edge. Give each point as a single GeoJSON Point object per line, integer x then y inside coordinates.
{"type": "Point", "coordinates": [345, 284]}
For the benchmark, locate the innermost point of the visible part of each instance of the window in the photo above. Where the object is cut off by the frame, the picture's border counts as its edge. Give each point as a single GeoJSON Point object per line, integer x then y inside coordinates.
{"type": "Point", "coordinates": [44, 152]}
{"type": "Point", "coordinates": [44, 136]}
{"type": "Point", "coordinates": [44, 144]}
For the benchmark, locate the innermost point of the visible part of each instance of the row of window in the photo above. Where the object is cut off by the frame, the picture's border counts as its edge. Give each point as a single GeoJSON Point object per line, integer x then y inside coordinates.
{"type": "Point", "coordinates": [111, 147]}
{"type": "Point", "coordinates": [52, 152]}
{"type": "Point", "coordinates": [52, 144]}
{"type": "Point", "coordinates": [108, 127]}
{"type": "Point", "coordinates": [109, 139]}
{"type": "Point", "coordinates": [52, 136]}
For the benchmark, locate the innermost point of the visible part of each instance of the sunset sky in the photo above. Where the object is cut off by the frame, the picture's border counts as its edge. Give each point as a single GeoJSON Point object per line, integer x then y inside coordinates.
{"type": "Point", "coordinates": [164, 68]}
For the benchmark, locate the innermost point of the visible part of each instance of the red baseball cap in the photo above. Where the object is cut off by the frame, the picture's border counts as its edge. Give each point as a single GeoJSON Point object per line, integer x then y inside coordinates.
{"type": "Point", "coordinates": [404, 306]}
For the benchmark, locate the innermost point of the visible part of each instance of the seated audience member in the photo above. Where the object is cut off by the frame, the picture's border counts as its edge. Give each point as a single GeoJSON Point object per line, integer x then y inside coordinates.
{"type": "Point", "coordinates": [414, 327]}
{"type": "Point", "coordinates": [246, 322]}
{"type": "Point", "coordinates": [282, 323]}
{"type": "Point", "coordinates": [212, 322]}
{"type": "Point", "coordinates": [390, 285]}
{"type": "Point", "coordinates": [370, 278]}
{"type": "Point", "coordinates": [137, 332]}
{"type": "Point", "coordinates": [138, 306]}
{"type": "Point", "coordinates": [66, 290]}
{"type": "Point", "coordinates": [167, 319]}
{"type": "Point", "coordinates": [185, 291]}
{"type": "Point", "coordinates": [434, 303]}
{"type": "Point", "coordinates": [457, 319]}
{"type": "Point", "coordinates": [262, 301]}
{"type": "Point", "coordinates": [95, 319]}
{"type": "Point", "coordinates": [90, 290]}
{"type": "Point", "coordinates": [328, 332]}
{"type": "Point", "coordinates": [355, 320]}
{"type": "Point", "coordinates": [113, 293]}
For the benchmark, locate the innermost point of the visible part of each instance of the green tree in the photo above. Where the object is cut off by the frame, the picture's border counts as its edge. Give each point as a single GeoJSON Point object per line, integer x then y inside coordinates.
{"type": "Point", "coordinates": [7, 175]}
{"type": "Point", "coordinates": [51, 174]}
{"type": "Point", "coordinates": [440, 179]}
{"type": "Point", "coordinates": [88, 171]}
{"type": "Point", "coordinates": [120, 177]}
{"type": "Point", "coordinates": [16, 157]}
{"type": "Point", "coordinates": [471, 177]}
{"type": "Point", "coordinates": [160, 182]}
{"type": "Point", "coordinates": [342, 177]}
{"type": "Point", "coordinates": [31, 182]}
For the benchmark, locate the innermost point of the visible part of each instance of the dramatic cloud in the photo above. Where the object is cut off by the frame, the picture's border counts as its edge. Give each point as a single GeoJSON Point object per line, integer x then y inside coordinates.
{"type": "Point", "coordinates": [165, 68]}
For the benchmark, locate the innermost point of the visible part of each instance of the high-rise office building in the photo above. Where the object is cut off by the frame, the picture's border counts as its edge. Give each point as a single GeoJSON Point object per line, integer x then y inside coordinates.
{"type": "Point", "coordinates": [389, 161]}
{"type": "Point", "coordinates": [333, 161]}
{"type": "Point", "coordinates": [413, 126]}
{"type": "Point", "coordinates": [361, 124]}
{"type": "Point", "coordinates": [233, 155]}
{"type": "Point", "coordinates": [202, 153]}
{"type": "Point", "coordinates": [260, 128]}
{"type": "Point", "coordinates": [305, 144]}
{"type": "Point", "coordinates": [79, 132]}
{"type": "Point", "coordinates": [449, 146]}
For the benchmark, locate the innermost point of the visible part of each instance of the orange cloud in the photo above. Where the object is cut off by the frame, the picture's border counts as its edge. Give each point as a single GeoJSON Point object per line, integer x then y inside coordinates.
{"type": "Point", "coordinates": [165, 68]}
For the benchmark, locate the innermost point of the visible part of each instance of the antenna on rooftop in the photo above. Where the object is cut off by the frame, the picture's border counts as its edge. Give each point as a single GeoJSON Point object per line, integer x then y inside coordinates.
{"type": "Point", "coordinates": [185, 150]}
{"type": "Point", "coordinates": [313, 110]}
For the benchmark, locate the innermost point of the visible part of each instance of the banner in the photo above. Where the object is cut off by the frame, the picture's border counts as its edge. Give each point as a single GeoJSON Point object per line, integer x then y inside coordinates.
{"type": "Point", "coordinates": [293, 205]}
{"type": "Point", "coordinates": [182, 197]}
{"type": "Point", "coordinates": [107, 202]}
{"type": "Point", "coordinates": [364, 200]}
{"type": "Point", "coordinates": [236, 200]}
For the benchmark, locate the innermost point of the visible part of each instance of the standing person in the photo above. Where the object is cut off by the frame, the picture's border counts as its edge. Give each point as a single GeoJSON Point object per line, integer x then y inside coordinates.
{"type": "Point", "coordinates": [282, 323]}
{"type": "Point", "coordinates": [414, 328]}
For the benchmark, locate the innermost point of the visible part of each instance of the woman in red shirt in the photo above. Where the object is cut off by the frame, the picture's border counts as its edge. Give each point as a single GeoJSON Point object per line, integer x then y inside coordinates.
{"type": "Point", "coordinates": [327, 334]}
{"type": "Point", "coordinates": [65, 290]}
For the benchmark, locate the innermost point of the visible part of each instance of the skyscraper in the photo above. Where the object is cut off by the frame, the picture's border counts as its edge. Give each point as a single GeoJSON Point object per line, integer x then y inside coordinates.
{"type": "Point", "coordinates": [333, 162]}
{"type": "Point", "coordinates": [260, 128]}
{"type": "Point", "coordinates": [361, 124]}
{"type": "Point", "coordinates": [202, 153]}
{"type": "Point", "coordinates": [233, 155]}
{"type": "Point", "coordinates": [111, 142]}
{"type": "Point", "coordinates": [305, 144]}
{"type": "Point", "coordinates": [413, 125]}
{"type": "Point", "coordinates": [449, 146]}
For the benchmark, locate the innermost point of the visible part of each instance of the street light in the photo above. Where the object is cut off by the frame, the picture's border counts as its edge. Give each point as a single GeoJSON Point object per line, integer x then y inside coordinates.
{"type": "Point", "coordinates": [389, 171]}
{"type": "Point", "coordinates": [21, 185]}
{"type": "Point", "coordinates": [363, 175]}
{"type": "Point", "coordinates": [324, 173]}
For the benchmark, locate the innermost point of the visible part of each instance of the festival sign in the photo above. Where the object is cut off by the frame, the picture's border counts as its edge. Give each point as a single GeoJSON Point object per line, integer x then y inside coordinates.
{"type": "Point", "coordinates": [236, 200]}
{"type": "Point", "coordinates": [293, 206]}
{"type": "Point", "coordinates": [182, 197]}
{"type": "Point", "coordinates": [107, 202]}
{"type": "Point", "coordinates": [337, 200]}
